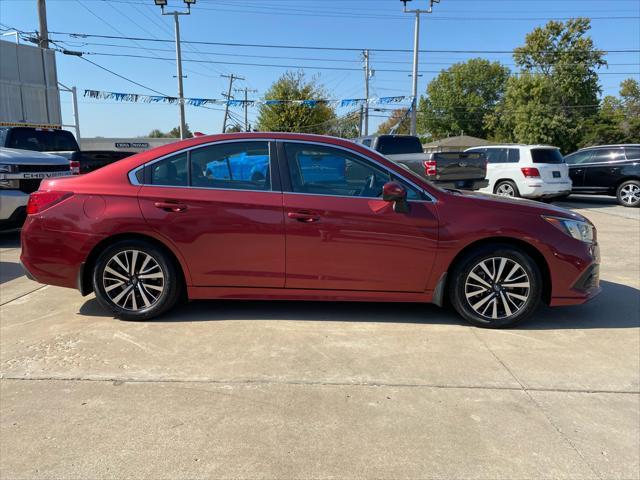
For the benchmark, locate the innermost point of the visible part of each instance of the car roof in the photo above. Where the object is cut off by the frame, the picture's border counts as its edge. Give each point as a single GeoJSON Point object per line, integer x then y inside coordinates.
{"type": "Point", "coordinates": [512, 145]}
{"type": "Point", "coordinates": [614, 145]}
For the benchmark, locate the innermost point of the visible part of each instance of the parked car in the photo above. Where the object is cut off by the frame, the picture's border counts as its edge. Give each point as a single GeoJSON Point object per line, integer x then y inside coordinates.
{"type": "Point", "coordinates": [59, 142]}
{"type": "Point", "coordinates": [607, 170]}
{"type": "Point", "coordinates": [377, 232]}
{"type": "Point", "coordinates": [529, 171]}
{"type": "Point", "coordinates": [20, 174]}
{"type": "Point", "coordinates": [466, 171]}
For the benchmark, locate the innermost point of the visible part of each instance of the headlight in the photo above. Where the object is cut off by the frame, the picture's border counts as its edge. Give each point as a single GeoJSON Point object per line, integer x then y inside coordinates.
{"type": "Point", "coordinates": [4, 168]}
{"type": "Point", "coordinates": [582, 231]}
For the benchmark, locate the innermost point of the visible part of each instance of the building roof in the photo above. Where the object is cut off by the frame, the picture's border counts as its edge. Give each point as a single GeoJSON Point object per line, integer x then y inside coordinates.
{"type": "Point", "coordinates": [459, 141]}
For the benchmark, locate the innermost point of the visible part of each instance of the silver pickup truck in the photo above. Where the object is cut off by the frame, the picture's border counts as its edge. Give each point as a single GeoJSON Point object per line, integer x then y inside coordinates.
{"type": "Point", "coordinates": [459, 170]}
{"type": "Point", "coordinates": [21, 172]}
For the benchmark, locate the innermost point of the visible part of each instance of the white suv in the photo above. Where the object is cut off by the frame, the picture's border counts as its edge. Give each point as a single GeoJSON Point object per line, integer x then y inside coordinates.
{"type": "Point", "coordinates": [530, 171]}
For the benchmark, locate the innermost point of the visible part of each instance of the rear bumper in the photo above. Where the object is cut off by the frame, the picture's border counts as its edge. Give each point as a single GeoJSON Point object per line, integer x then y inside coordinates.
{"type": "Point", "coordinates": [54, 257]}
{"type": "Point", "coordinates": [533, 188]}
{"type": "Point", "coordinates": [463, 184]}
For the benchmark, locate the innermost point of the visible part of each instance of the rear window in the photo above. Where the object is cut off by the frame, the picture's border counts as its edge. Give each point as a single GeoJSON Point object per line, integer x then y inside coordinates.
{"type": "Point", "coordinates": [390, 145]}
{"type": "Point", "coordinates": [41, 140]}
{"type": "Point", "coordinates": [546, 155]}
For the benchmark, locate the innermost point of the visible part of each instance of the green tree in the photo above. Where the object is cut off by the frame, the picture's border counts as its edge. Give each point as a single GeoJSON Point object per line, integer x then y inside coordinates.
{"type": "Point", "coordinates": [557, 91]}
{"type": "Point", "coordinates": [399, 119]}
{"type": "Point", "coordinates": [296, 117]}
{"type": "Point", "coordinates": [618, 119]}
{"type": "Point", "coordinates": [173, 133]}
{"type": "Point", "coordinates": [347, 126]}
{"type": "Point", "coordinates": [460, 97]}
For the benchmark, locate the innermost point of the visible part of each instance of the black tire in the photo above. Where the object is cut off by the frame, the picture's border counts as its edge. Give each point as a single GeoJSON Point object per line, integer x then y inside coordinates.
{"type": "Point", "coordinates": [628, 194]}
{"type": "Point", "coordinates": [506, 185]}
{"type": "Point", "coordinates": [458, 286]}
{"type": "Point", "coordinates": [171, 282]}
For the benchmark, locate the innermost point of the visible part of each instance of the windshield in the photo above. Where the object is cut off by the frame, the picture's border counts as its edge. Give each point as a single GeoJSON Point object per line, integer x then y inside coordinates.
{"type": "Point", "coordinates": [392, 145]}
{"type": "Point", "coordinates": [41, 140]}
{"type": "Point", "coordinates": [546, 155]}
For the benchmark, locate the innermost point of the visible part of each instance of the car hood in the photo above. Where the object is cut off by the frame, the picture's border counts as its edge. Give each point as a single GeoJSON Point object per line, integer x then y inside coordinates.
{"type": "Point", "coordinates": [519, 205]}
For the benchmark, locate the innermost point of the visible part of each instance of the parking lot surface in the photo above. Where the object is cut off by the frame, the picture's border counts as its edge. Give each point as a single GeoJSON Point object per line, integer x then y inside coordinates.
{"type": "Point", "coordinates": [323, 390]}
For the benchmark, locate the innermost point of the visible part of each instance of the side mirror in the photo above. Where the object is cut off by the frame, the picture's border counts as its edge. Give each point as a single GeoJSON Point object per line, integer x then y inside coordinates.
{"type": "Point", "coordinates": [396, 193]}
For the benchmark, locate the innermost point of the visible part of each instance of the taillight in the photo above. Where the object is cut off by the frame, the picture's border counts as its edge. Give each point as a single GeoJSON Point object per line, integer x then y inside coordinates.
{"type": "Point", "coordinates": [75, 167]}
{"type": "Point", "coordinates": [530, 172]}
{"type": "Point", "coordinates": [430, 168]}
{"type": "Point", "coordinates": [41, 200]}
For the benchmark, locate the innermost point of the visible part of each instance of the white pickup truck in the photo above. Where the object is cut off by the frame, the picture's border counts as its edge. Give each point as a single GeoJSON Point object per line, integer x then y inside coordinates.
{"type": "Point", "coordinates": [21, 172]}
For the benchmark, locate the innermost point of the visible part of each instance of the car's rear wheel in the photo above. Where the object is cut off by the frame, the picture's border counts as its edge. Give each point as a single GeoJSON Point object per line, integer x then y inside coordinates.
{"type": "Point", "coordinates": [628, 194]}
{"type": "Point", "coordinates": [136, 280]}
{"type": "Point", "coordinates": [506, 188]}
{"type": "Point", "coordinates": [496, 286]}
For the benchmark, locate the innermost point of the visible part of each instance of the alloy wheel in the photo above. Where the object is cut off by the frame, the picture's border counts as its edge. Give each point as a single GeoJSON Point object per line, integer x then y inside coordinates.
{"type": "Point", "coordinates": [505, 190]}
{"type": "Point", "coordinates": [133, 280]}
{"type": "Point", "coordinates": [497, 288]}
{"type": "Point", "coordinates": [630, 194]}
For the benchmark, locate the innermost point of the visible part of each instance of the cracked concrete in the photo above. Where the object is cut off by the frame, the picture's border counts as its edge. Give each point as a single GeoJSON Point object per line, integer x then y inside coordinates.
{"type": "Point", "coordinates": [325, 390]}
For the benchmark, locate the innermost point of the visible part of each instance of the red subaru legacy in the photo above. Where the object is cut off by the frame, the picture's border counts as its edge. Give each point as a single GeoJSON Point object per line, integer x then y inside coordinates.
{"type": "Point", "coordinates": [300, 217]}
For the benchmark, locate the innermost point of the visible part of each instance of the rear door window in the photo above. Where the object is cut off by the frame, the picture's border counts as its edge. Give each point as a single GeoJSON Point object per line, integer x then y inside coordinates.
{"type": "Point", "coordinates": [171, 171]}
{"type": "Point", "coordinates": [514, 155]}
{"type": "Point", "coordinates": [498, 155]}
{"type": "Point", "coordinates": [606, 155]}
{"type": "Point", "coordinates": [237, 165]}
{"type": "Point", "coordinates": [546, 155]}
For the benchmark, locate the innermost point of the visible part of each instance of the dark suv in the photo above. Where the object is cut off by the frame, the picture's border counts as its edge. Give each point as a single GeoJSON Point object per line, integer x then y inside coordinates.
{"type": "Point", "coordinates": [607, 170]}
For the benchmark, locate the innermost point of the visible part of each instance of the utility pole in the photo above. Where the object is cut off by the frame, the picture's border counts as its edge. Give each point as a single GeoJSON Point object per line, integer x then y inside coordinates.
{"type": "Point", "coordinates": [367, 75]}
{"type": "Point", "coordinates": [183, 122]}
{"type": "Point", "coordinates": [416, 49]}
{"type": "Point", "coordinates": [176, 13]}
{"type": "Point", "coordinates": [43, 41]}
{"type": "Point", "coordinates": [246, 105]}
{"type": "Point", "coordinates": [228, 97]}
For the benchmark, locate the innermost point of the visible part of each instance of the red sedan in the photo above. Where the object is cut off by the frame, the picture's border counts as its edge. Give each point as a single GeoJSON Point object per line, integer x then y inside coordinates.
{"type": "Point", "coordinates": [300, 217]}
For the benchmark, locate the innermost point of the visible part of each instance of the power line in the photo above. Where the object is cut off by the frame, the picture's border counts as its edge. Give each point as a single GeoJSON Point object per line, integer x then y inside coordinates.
{"type": "Point", "coordinates": [309, 47]}
{"type": "Point", "coordinates": [313, 67]}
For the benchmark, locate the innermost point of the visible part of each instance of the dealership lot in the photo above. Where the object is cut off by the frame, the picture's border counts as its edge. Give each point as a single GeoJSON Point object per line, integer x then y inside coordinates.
{"type": "Point", "coordinates": [274, 389]}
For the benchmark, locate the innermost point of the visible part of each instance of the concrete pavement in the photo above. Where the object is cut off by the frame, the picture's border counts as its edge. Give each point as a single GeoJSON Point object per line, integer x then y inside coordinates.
{"type": "Point", "coordinates": [323, 390]}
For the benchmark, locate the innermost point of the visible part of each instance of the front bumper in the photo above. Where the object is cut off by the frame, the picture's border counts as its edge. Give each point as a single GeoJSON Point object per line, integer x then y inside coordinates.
{"type": "Point", "coordinates": [586, 286]}
{"type": "Point", "coordinates": [13, 205]}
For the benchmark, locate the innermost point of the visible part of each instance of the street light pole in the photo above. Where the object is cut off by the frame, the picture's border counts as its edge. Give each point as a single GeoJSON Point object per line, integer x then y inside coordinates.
{"type": "Point", "coordinates": [176, 13]}
{"type": "Point", "coordinates": [416, 50]}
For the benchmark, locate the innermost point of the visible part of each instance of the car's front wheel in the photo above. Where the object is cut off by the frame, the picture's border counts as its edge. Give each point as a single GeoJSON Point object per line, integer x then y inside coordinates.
{"type": "Point", "coordinates": [496, 286]}
{"type": "Point", "coordinates": [136, 280]}
{"type": "Point", "coordinates": [628, 194]}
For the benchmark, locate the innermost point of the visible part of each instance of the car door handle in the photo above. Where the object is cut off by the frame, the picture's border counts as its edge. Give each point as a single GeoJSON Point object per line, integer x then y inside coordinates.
{"type": "Point", "coordinates": [304, 216]}
{"type": "Point", "coordinates": [170, 206]}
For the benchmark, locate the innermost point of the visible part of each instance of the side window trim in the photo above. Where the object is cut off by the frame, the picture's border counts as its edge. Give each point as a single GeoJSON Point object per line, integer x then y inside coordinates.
{"type": "Point", "coordinates": [276, 183]}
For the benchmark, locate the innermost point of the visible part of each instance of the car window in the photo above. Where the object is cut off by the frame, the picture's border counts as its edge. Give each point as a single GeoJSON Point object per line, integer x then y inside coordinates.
{"type": "Point", "coordinates": [171, 171]}
{"type": "Point", "coordinates": [633, 153]}
{"type": "Point", "coordinates": [605, 155]}
{"type": "Point", "coordinates": [578, 157]}
{"type": "Point", "coordinates": [514, 155]}
{"type": "Point", "coordinates": [330, 171]}
{"type": "Point", "coordinates": [367, 142]}
{"type": "Point", "coordinates": [398, 145]}
{"type": "Point", "coordinates": [546, 155]}
{"type": "Point", "coordinates": [42, 140]}
{"type": "Point", "coordinates": [498, 155]}
{"type": "Point", "coordinates": [237, 165]}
